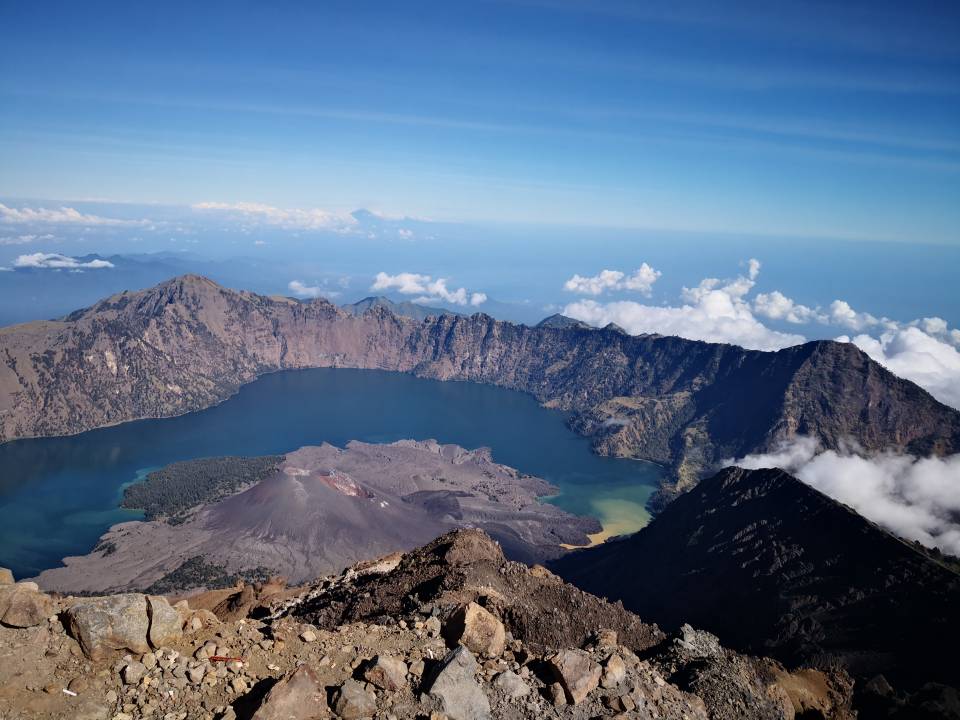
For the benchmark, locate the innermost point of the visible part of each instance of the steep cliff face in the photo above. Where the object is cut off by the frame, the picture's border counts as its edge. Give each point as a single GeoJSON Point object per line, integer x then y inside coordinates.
{"type": "Point", "coordinates": [189, 343]}
{"type": "Point", "coordinates": [778, 568]}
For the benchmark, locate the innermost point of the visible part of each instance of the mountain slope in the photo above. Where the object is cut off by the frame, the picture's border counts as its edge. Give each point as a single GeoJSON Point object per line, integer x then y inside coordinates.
{"type": "Point", "coordinates": [189, 343]}
{"type": "Point", "coordinates": [778, 568]}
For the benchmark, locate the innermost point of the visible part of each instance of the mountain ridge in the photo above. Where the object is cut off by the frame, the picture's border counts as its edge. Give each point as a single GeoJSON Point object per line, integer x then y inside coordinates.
{"type": "Point", "coordinates": [188, 343]}
{"type": "Point", "coordinates": [819, 583]}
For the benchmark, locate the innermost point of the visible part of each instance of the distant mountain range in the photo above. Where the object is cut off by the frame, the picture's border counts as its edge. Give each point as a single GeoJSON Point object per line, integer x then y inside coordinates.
{"type": "Point", "coordinates": [403, 309]}
{"type": "Point", "coordinates": [189, 343]}
{"type": "Point", "coordinates": [777, 568]}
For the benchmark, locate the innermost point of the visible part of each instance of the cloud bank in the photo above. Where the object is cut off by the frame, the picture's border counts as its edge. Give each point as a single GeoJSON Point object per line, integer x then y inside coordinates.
{"type": "Point", "coordinates": [915, 498]}
{"type": "Point", "coordinates": [56, 261]}
{"type": "Point", "coordinates": [713, 311]}
{"type": "Point", "coordinates": [641, 281]}
{"type": "Point", "coordinates": [59, 216]}
{"type": "Point", "coordinates": [288, 218]}
{"type": "Point", "coordinates": [427, 288]}
{"type": "Point", "coordinates": [924, 351]}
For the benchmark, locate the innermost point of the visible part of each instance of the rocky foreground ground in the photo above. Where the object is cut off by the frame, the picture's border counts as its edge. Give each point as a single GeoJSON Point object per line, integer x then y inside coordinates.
{"type": "Point", "coordinates": [450, 630]}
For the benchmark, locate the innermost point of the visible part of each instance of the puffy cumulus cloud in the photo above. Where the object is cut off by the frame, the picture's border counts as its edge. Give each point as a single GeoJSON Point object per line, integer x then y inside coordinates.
{"type": "Point", "coordinates": [916, 498]}
{"type": "Point", "coordinates": [302, 290]}
{"type": "Point", "coordinates": [23, 239]}
{"type": "Point", "coordinates": [287, 218]}
{"type": "Point", "coordinates": [427, 288]}
{"type": "Point", "coordinates": [777, 306]}
{"type": "Point", "coordinates": [641, 281]}
{"type": "Point", "coordinates": [842, 314]}
{"type": "Point", "coordinates": [56, 261]}
{"type": "Point", "coordinates": [58, 216]}
{"type": "Point", "coordinates": [911, 353]}
{"type": "Point", "coordinates": [714, 311]}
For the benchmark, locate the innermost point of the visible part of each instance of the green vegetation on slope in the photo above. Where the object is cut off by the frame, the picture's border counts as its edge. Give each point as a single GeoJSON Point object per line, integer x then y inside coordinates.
{"type": "Point", "coordinates": [174, 489]}
{"type": "Point", "coordinates": [197, 572]}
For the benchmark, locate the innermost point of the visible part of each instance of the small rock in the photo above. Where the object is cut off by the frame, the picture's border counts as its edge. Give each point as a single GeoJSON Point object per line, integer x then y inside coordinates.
{"type": "Point", "coordinates": [605, 638]}
{"type": "Point", "coordinates": [432, 626]}
{"type": "Point", "coordinates": [110, 697]}
{"type": "Point", "coordinates": [132, 672]}
{"type": "Point", "coordinates": [387, 673]}
{"type": "Point", "coordinates": [576, 671]}
{"type": "Point", "coordinates": [511, 684]}
{"type": "Point", "coordinates": [149, 661]}
{"type": "Point", "coordinates": [298, 695]}
{"type": "Point", "coordinates": [308, 636]}
{"type": "Point", "coordinates": [477, 629]}
{"type": "Point", "coordinates": [195, 674]}
{"type": "Point", "coordinates": [557, 694]}
{"type": "Point", "coordinates": [79, 685]}
{"type": "Point", "coordinates": [238, 684]}
{"type": "Point", "coordinates": [454, 685]}
{"type": "Point", "coordinates": [614, 671]}
{"type": "Point", "coordinates": [352, 701]}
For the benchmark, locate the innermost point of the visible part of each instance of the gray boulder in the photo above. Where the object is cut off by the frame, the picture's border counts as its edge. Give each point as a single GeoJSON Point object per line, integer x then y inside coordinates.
{"type": "Point", "coordinates": [104, 624]}
{"type": "Point", "coordinates": [454, 685]}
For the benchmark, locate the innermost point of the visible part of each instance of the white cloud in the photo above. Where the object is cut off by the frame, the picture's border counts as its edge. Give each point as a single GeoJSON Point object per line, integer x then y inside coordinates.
{"type": "Point", "coordinates": [405, 233]}
{"type": "Point", "coordinates": [427, 288]}
{"type": "Point", "coordinates": [58, 216]}
{"type": "Point", "coordinates": [304, 291]}
{"type": "Point", "coordinates": [911, 353]}
{"type": "Point", "coordinates": [406, 283]}
{"type": "Point", "coordinates": [923, 350]}
{"type": "Point", "coordinates": [915, 498]}
{"type": "Point", "coordinates": [23, 239]}
{"type": "Point", "coordinates": [56, 261]}
{"type": "Point", "coordinates": [777, 306]}
{"type": "Point", "coordinates": [608, 280]}
{"type": "Point", "coordinates": [842, 314]}
{"type": "Point", "coordinates": [713, 311]}
{"type": "Point", "coordinates": [289, 218]}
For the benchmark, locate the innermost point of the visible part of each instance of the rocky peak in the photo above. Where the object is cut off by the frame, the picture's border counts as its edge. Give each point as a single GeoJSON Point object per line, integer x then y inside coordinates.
{"type": "Point", "coordinates": [820, 583]}
{"type": "Point", "coordinates": [451, 643]}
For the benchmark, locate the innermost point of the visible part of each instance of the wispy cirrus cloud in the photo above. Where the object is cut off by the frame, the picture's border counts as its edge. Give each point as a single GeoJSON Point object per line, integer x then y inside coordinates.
{"type": "Point", "coordinates": [24, 239]}
{"type": "Point", "coordinates": [427, 288]}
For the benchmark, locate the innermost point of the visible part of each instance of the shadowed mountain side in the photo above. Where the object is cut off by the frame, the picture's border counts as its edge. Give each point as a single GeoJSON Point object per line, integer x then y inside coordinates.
{"type": "Point", "coordinates": [325, 508]}
{"type": "Point", "coordinates": [189, 343]}
{"type": "Point", "coordinates": [780, 569]}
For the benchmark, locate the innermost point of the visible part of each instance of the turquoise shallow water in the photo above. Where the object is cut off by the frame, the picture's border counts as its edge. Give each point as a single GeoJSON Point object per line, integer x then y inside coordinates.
{"type": "Point", "coordinates": [58, 495]}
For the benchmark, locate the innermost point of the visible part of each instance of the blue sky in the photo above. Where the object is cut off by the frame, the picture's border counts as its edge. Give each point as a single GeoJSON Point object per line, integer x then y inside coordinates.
{"type": "Point", "coordinates": [837, 120]}
{"type": "Point", "coordinates": [756, 173]}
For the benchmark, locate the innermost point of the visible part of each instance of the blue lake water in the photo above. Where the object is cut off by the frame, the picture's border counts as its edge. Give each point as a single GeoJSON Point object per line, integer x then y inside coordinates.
{"type": "Point", "coordinates": [58, 495]}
